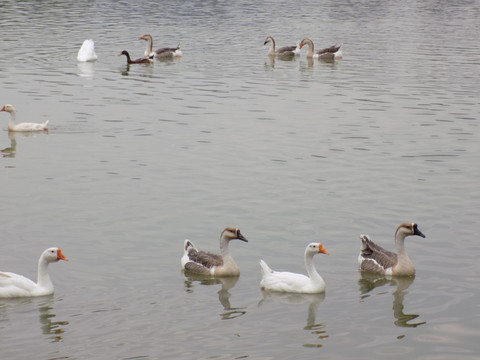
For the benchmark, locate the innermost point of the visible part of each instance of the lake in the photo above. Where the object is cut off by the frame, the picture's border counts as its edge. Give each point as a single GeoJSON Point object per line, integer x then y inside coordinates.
{"type": "Point", "coordinates": [139, 158]}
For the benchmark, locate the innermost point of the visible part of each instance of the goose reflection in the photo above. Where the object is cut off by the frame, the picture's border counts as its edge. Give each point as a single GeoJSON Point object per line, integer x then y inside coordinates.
{"type": "Point", "coordinates": [313, 300]}
{"type": "Point", "coordinates": [147, 70]}
{"type": "Point", "coordinates": [54, 330]}
{"type": "Point", "coordinates": [86, 69]}
{"type": "Point", "coordinates": [49, 327]}
{"type": "Point", "coordinates": [368, 282]}
{"type": "Point", "coordinates": [270, 62]}
{"type": "Point", "coordinates": [223, 294]}
{"type": "Point", "coordinates": [10, 151]}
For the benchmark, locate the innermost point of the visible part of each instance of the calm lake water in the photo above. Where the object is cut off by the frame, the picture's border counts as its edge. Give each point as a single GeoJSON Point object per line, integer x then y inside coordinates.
{"type": "Point", "coordinates": [139, 158]}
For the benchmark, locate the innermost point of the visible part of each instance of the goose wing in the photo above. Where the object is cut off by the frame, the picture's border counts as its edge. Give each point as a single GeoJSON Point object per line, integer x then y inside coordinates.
{"type": "Point", "coordinates": [374, 258]}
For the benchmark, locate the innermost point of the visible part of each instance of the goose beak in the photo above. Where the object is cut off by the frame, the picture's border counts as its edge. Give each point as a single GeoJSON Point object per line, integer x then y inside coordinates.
{"type": "Point", "coordinates": [3, 109]}
{"type": "Point", "coordinates": [241, 237]}
{"type": "Point", "coordinates": [60, 255]}
{"type": "Point", "coordinates": [419, 233]}
{"type": "Point", "coordinates": [322, 250]}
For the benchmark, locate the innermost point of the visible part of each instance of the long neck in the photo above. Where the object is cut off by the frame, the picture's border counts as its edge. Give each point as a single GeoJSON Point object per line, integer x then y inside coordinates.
{"type": "Point", "coordinates": [272, 47]}
{"type": "Point", "coordinates": [225, 251]}
{"type": "Point", "coordinates": [312, 272]}
{"type": "Point", "coordinates": [43, 280]}
{"type": "Point", "coordinates": [400, 247]}
{"type": "Point", "coordinates": [310, 51]}
{"type": "Point", "coordinates": [149, 48]}
{"type": "Point", "coordinates": [13, 118]}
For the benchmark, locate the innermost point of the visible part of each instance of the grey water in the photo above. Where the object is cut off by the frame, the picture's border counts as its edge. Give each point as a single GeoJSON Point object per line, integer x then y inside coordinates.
{"type": "Point", "coordinates": [138, 158]}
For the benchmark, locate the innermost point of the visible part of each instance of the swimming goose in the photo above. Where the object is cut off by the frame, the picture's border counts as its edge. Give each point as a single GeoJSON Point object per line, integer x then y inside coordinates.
{"type": "Point", "coordinates": [295, 283]}
{"type": "Point", "coordinates": [13, 285]}
{"type": "Point", "coordinates": [332, 53]}
{"type": "Point", "coordinates": [162, 52]}
{"type": "Point", "coordinates": [87, 51]}
{"type": "Point", "coordinates": [12, 126]}
{"type": "Point", "coordinates": [206, 263]}
{"type": "Point", "coordinates": [373, 258]}
{"type": "Point", "coordinates": [283, 51]}
{"type": "Point", "coordinates": [143, 60]}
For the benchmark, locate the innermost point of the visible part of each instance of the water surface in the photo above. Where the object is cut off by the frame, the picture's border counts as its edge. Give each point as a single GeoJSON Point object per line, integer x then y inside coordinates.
{"type": "Point", "coordinates": [139, 158]}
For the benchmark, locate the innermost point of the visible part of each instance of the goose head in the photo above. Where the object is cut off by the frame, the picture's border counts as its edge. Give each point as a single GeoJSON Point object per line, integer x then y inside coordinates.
{"type": "Point", "coordinates": [53, 255]}
{"type": "Point", "coordinates": [269, 39]}
{"type": "Point", "coordinates": [231, 233]}
{"type": "Point", "coordinates": [316, 248]}
{"type": "Point", "coordinates": [408, 229]}
{"type": "Point", "coordinates": [145, 37]}
{"type": "Point", "coordinates": [306, 41]}
{"type": "Point", "coordinates": [8, 108]}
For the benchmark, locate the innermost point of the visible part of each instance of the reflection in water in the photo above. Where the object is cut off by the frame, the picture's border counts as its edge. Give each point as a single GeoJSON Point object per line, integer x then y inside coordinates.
{"type": "Point", "coordinates": [313, 300]}
{"type": "Point", "coordinates": [223, 294]}
{"type": "Point", "coordinates": [49, 327]}
{"type": "Point", "coordinates": [86, 69]}
{"type": "Point", "coordinates": [45, 304]}
{"type": "Point", "coordinates": [270, 62]}
{"type": "Point", "coordinates": [10, 151]}
{"type": "Point", "coordinates": [368, 282]}
{"type": "Point", "coordinates": [146, 69]}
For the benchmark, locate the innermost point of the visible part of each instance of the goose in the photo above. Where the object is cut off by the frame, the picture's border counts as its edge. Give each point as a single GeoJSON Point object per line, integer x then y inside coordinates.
{"type": "Point", "coordinates": [12, 126]}
{"type": "Point", "coordinates": [375, 259]}
{"type": "Point", "coordinates": [143, 60]}
{"type": "Point", "coordinates": [87, 51]}
{"type": "Point", "coordinates": [332, 53]}
{"type": "Point", "coordinates": [13, 285]}
{"type": "Point", "coordinates": [162, 52]}
{"type": "Point", "coordinates": [283, 281]}
{"type": "Point", "coordinates": [201, 262]}
{"type": "Point", "coordinates": [283, 51]}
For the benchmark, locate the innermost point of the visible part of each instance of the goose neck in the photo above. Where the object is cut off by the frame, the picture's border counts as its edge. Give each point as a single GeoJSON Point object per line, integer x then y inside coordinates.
{"type": "Point", "coordinates": [43, 280]}
{"type": "Point", "coordinates": [311, 49]}
{"type": "Point", "coordinates": [311, 270]}
{"type": "Point", "coordinates": [400, 244]}
{"type": "Point", "coordinates": [149, 48]}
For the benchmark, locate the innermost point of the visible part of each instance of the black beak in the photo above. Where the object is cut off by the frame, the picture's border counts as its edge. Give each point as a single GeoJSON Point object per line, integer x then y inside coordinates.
{"type": "Point", "coordinates": [418, 232]}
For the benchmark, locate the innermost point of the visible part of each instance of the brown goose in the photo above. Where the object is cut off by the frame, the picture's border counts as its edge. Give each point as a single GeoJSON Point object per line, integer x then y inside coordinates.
{"type": "Point", "coordinates": [331, 53]}
{"type": "Point", "coordinates": [283, 51]}
{"type": "Point", "coordinates": [202, 262]}
{"type": "Point", "coordinates": [373, 258]}
{"type": "Point", "coordinates": [162, 52]}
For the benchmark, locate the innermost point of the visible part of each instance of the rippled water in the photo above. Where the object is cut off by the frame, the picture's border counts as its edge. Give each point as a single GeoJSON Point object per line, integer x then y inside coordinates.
{"type": "Point", "coordinates": [139, 158]}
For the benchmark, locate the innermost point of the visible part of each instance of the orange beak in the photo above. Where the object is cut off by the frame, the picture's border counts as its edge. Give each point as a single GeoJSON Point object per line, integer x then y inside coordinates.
{"type": "Point", "coordinates": [322, 250]}
{"type": "Point", "coordinates": [141, 38]}
{"type": "Point", "coordinates": [60, 255]}
{"type": "Point", "coordinates": [301, 45]}
{"type": "Point", "coordinates": [3, 109]}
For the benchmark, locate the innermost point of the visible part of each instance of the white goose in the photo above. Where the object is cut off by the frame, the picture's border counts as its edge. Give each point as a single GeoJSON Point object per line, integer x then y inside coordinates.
{"type": "Point", "coordinates": [201, 262]}
{"type": "Point", "coordinates": [162, 52]}
{"type": "Point", "coordinates": [283, 281]}
{"type": "Point", "coordinates": [87, 51]}
{"type": "Point", "coordinates": [13, 285]}
{"type": "Point", "coordinates": [283, 51]}
{"type": "Point", "coordinates": [12, 126]}
{"type": "Point", "coordinates": [331, 53]}
{"type": "Point", "coordinates": [375, 259]}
